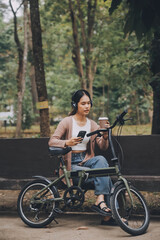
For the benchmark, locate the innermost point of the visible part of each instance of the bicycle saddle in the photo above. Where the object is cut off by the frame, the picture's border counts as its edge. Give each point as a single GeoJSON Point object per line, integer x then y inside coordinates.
{"type": "Point", "coordinates": [55, 151]}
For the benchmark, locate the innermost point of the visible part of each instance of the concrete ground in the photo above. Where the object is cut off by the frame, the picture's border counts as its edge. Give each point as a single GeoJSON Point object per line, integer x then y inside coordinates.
{"type": "Point", "coordinates": [70, 227]}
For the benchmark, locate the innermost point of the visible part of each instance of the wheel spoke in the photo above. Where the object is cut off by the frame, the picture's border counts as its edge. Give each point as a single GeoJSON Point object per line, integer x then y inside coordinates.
{"type": "Point", "coordinates": [39, 211]}
{"type": "Point", "coordinates": [136, 214]}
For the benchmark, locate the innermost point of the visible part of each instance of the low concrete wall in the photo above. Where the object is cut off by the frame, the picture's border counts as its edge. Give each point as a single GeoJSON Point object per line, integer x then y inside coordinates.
{"type": "Point", "coordinates": [23, 158]}
{"type": "Point", "coordinates": [20, 159]}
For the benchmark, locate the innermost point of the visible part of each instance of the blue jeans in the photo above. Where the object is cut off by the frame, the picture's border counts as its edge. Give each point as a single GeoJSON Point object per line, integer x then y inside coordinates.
{"type": "Point", "coordinates": [104, 184]}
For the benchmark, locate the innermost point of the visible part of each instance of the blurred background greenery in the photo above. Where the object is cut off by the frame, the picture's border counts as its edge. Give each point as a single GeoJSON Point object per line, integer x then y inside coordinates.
{"type": "Point", "coordinates": [122, 72]}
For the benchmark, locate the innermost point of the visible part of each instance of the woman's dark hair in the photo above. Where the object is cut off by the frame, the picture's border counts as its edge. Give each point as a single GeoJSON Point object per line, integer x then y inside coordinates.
{"type": "Point", "coordinates": [76, 98]}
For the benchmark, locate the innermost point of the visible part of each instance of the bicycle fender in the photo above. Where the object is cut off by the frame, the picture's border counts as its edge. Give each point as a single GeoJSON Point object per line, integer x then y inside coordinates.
{"type": "Point", "coordinates": [48, 181]}
{"type": "Point", "coordinates": [43, 178]}
{"type": "Point", "coordinates": [116, 185]}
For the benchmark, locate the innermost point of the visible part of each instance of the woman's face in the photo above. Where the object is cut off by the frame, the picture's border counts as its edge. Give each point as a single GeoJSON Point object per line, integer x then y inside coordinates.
{"type": "Point", "coordinates": [84, 105]}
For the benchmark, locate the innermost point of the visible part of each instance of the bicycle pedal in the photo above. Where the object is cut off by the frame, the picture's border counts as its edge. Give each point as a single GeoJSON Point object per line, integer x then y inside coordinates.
{"type": "Point", "coordinates": [57, 210]}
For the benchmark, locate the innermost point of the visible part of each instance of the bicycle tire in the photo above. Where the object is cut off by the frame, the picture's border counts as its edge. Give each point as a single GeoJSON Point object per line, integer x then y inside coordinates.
{"type": "Point", "coordinates": [137, 216]}
{"type": "Point", "coordinates": [38, 214]}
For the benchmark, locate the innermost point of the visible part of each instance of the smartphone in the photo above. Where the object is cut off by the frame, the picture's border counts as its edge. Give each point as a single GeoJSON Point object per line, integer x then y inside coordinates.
{"type": "Point", "coordinates": [81, 134]}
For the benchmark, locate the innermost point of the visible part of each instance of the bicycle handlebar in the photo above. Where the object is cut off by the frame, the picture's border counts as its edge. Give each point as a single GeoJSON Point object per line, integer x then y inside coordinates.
{"type": "Point", "coordinates": [96, 132]}
{"type": "Point", "coordinates": [119, 119]}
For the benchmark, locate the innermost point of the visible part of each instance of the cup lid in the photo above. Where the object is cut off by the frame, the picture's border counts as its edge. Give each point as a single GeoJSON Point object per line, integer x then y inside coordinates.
{"type": "Point", "coordinates": [103, 118]}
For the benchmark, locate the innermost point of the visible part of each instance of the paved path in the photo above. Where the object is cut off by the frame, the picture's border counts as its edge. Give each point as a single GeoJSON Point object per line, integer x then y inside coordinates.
{"type": "Point", "coordinates": [70, 227]}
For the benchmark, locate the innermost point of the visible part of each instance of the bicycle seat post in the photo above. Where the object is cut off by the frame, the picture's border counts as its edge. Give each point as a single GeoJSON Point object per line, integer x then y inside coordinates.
{"type": "Point", "coordinates": [63, 167]}
{"type": "Point", "coordinates": [61, 160]}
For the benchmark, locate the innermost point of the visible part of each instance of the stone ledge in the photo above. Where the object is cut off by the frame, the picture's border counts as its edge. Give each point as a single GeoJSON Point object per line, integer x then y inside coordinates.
{"type": "Point", "coordinates": [142, 183]}
{"type": "Point", "coordinates": [145, 183]}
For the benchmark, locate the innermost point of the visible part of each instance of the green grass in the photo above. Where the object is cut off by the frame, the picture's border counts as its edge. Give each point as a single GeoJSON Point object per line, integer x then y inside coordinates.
{"type": "Point", "coordinates": [35, 131]}
{"type": "Point", "coordinates": [135, 130]}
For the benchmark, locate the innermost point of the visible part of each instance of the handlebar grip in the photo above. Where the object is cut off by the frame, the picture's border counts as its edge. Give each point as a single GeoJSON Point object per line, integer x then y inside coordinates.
{"type": "Point", "coordinates": [122, 114]}
{"type": "Point", "coordinates": [119, 119]}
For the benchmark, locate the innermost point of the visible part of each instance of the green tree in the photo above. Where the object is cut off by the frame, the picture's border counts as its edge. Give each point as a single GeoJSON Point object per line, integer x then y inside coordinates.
{"type": "Point", "coordinates": [143, 18]}
{"type": "Point", "coordinates": [122, 70]}
{"type": "Point", "coordinates": [39, 66]}
{"type": "Point", "coordinates": [119, 62]}
{"type": "Point", "coordinates": [122, 66]}
{"type": "Point", "coordinates": [7, 64]}
{"type": "Point", "coordinates": [22, 54]}
{"type": "Point", "coordinates": [61, 76]}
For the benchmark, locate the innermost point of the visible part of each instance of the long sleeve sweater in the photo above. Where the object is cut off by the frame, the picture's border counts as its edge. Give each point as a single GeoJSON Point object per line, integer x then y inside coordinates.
{"type": "Point", "coordinates": [63, 132]}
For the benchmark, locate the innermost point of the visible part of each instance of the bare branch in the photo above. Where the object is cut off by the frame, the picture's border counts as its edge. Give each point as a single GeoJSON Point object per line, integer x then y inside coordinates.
{"type": "Point", "coordinates": [10, 3]}
{"type": "Point", "coordinates": [20, 6]}
{"type": "Point", "coordinates": [15, 11]}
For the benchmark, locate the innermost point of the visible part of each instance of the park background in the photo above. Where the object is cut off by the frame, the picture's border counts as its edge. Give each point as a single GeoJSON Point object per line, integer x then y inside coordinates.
{"type": "Point", "coordinates": [109, 48]}
{"type": "Point", "coordinates": [50, 48]}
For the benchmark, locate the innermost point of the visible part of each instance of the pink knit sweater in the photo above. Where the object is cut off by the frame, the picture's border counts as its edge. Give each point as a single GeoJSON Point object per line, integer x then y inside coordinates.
{"type": "Point", "coordinates": [64, 132]}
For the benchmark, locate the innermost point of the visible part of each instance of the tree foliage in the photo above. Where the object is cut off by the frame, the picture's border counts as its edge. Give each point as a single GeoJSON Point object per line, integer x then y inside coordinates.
{"type": "Point", "coordinates": [143, 18]}
{"type": "Point", "coordinates": [7, 64]}
{"type": "Point", "coordinates": [122, 66]}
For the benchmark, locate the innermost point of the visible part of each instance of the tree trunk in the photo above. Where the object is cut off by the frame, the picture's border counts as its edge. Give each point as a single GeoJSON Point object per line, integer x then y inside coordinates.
{"type": "Point", "coordinates": [90, 65]}
{"type": "Point", "coordinates": [32, 69]}
{"type": "Point", "coordinates": [76, 51]}
{"type": "Point", "coordinates": [39, 67]}
{"type": "Point", "coordinates": [33, 88]}
{"type": "Point", "coordinates": [86, 43]}
{"type": "Point", "coordinates": [86, 36]}
{"type": "Point", "coordinates": [19, 48]}
{"type": "Point", "coordinates": [24, 66]}
{"type": "Point", "coordinates": [156, 106]}
{"type": "Point", "coordinates": [82, 23]}
{"type": "Point", "coordinates": [22, 56]}
{"type": "Point", "coordinates": [155, 83]}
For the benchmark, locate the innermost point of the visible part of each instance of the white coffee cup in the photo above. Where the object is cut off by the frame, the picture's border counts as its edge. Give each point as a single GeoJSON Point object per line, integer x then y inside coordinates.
{"type": "Point", "coordinates": [102, 121]}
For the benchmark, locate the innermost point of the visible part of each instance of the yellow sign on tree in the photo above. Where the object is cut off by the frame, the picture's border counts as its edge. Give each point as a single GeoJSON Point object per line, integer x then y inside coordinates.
{"type": "Point", "coordinates": [42, 105]}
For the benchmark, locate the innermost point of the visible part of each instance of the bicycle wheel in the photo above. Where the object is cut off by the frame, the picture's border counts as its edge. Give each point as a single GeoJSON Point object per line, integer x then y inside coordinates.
{"type": "Point", "coordinates": [36, 212]}
{"type": "Point", "coordinates": [136, 214]}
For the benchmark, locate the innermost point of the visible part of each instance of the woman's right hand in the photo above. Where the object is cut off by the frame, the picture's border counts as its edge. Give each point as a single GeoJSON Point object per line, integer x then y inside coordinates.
{"type": "Point", "coordinates": [73, 141]}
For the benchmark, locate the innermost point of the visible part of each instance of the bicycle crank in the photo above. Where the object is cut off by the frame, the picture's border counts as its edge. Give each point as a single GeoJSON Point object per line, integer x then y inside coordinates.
{"type": "Point", "coordinates": [73, 197]}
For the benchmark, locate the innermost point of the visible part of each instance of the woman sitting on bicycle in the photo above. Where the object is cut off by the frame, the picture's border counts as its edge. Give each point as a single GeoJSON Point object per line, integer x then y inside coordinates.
{"type": "Point", "coordinates": [82, 156]}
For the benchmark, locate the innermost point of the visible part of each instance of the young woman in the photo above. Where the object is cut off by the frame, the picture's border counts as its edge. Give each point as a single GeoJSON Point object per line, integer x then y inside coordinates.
{"type": "Point", "coordinates": [82, 155]}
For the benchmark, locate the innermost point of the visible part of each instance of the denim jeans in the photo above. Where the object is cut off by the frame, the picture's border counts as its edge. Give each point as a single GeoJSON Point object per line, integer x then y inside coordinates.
{"type": "Point", "coordinates": [104, 184]}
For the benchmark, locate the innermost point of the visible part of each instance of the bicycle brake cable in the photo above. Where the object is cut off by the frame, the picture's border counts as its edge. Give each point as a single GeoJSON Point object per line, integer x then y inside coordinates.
{"type": "Point", "coordinates": [98, 135]}
{"type": "Point", "coordinates": [117, 139]}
